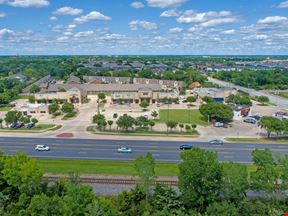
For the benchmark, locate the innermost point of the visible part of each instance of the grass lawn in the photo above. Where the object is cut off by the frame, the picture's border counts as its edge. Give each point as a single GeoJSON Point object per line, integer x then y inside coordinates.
{"type": "Point", "coordinates": [63, 166]}
{"type": "Point", "coordinates": [182, 116]}
{"type": "Point", "coordinates": [283, 94]}
{"type": "Point", "coordinates": [38, 127]}
{"type": "Point", "coordinates": [258, 140]}
{"type": "Point", "coordinates": [5, 109]}
{"type": "Point", "coordinates": [22, 97]}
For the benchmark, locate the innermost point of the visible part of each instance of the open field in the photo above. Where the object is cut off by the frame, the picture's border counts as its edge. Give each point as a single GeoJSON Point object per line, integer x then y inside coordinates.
{"type": "Point", "coordinates": [258, 140]}
{"type": "Point", "coordinates": [38, 127]}
{"type": "Point", "coordinates": [63, 166]}
{"type": "Point", "coordinates": [5, 109]}
{"type": "Point", "coordinates": [183, 116]}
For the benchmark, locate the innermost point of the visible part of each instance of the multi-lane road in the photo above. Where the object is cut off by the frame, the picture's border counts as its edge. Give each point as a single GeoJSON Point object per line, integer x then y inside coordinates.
{"type": "Point", "coordinates": [107, 149]}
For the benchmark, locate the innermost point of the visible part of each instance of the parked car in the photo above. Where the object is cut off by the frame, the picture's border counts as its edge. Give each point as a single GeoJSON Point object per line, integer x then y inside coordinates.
{"type": "Point", "coordinates": [250, 120]}
{"type": "Point", "coordinates": [130, 110]}
{"type": "Point", "coordinates": [256, 117]}
{"type": "Point", "coordinates": [115, 115]}
{"type": "Point", "coordinates": [20, 125]}
{"type": "Point", "coordinates": [42, 148]}
{"type": "Point", "coordinates": [13, 125]}
{"type": "Point", "coordinates": [146, 115]}
{"type": "Point", "coordinates": [30, 125]}
{"type": "Point", "coordinates": [218, 124]}
{"type": "Point", "coordinates": [124, 149]}
{"type": "Point", "coordinates": [216, 142]}
{"type": "Point", "coordinates": [186, 147]}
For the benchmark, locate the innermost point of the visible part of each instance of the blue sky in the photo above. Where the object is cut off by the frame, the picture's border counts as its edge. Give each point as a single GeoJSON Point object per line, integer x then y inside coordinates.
{"type": "Point", "coordinates": [182, 27]}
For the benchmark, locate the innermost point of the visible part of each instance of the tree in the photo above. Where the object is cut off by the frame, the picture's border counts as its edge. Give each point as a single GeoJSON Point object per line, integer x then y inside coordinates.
{"type": "Point", "coordinates": [101, 96]}
{"type": "Point", "coordinates": [266, 176]}
{"type": "Point", "coordinates": [34, 89]}
{"type": "Point", "coordinates": [239, 99]}
{"type": "Point", "coordinates": [24, 119]}
{"type": "Point", "coordinates": [217, 111]}
{"type": "Point", "coordinates": [34, 121]}
{"type": "Point", "coordinates": [263, 99]}
{"type": "Point", "coordinates": [207, 99]}
{"type": "Point", "coordinates": [53, 108]}
{"type": "Point", "coordinates": [191, 100]}
{"type": "Point", "coordinates": [171, 124]}
{"type": "Point", "coordinates": [181, 127]}
{"type": "Point", "coordinates": [193, 126]}
{"type": "Point", "coordinates": [145, 168]}
{"type": "Point", "coordinates": [151, 124]}
{"type": "Point", "coordinates": [98, 117]}
{"type": "Point", "coordinates": [235, 181]}
{"type": "Point", "coordinates": [200, 176]}
{"type": "Point", "coordinates": [144, 104]}
{"type": "Point", "coordinates": [1, 122]}
{"type": "Point", "coordinates": [222, 209]}
{"type": "Point", "coordinates": [125, 122]}
{"type": "Point", "coordinates": [110, 123]}
{"type": "Point", "coordinates": [187, 127]}
{"type": "Point", "coordinates": [154, 114]}
{"type": "Point", "coordinates": [67, 107]}
{"type": "Point", "coordinates": [272, 125]}
{"type": "Point", "coordinates": [101, 123]}
{"type": "Point", "coordinates": [12, 117]}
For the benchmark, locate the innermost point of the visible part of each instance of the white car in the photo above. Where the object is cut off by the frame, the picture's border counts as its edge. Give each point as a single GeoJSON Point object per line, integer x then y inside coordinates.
{"type": "Point", "coordinates": [124, 149]}
{"type": "Point", "coordinates": [42, 148]}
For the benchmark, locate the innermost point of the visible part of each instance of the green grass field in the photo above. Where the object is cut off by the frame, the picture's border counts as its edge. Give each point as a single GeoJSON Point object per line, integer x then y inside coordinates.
{"type": "Point", "coordinates": [5, 109]}
{"type": "Point", "coordinates": [182, 116]}
{"type": "Point", "coordinates": [63, 166]}
{"type": "Point", "coordinates": [38, 127]}
{"type": "Point", "coordinates": [258, 140]}
{"type": "Point", "coordinates": [283, 94]}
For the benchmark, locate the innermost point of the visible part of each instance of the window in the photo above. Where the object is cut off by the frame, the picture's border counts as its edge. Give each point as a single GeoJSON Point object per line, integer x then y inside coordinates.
{"type": "Point", "coordinates": [145, 93]}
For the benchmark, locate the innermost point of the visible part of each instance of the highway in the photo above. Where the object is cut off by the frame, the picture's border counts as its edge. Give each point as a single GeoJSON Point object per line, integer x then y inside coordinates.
{"type": "Point", "coordinates": [91, 149]}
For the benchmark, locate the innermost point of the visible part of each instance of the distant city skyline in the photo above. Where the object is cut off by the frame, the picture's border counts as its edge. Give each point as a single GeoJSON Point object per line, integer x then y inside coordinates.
{"type": "Point", "coordinates": [143, 27]}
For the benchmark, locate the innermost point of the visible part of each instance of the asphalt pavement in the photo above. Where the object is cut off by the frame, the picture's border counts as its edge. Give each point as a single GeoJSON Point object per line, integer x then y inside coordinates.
{"type": "Point", "coordinates": [91, 149]}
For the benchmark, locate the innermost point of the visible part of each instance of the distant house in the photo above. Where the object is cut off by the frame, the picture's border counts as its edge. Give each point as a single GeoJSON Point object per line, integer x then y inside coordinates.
{"type": "Point", "coordinates": [43, 83]}
{"type": "Point", "coordinates": [194, 85]}
{"type": "Point", "coordinates": [217, 94]}
{"type": "Point", "coordinates": [73, 80]}
{"type": "Point", "coordinates": [281, 115]}
{"type": "Point", "coordinates": [19, 77]}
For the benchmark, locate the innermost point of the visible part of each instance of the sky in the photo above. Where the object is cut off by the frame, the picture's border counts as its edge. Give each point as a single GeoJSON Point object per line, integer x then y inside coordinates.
{"type": "Point", "coordinates": [143, 27]}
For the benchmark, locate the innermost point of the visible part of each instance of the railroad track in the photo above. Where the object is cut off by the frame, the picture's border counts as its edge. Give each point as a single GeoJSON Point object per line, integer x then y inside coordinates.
{"type": "Point", "coordinates": [112, 181]}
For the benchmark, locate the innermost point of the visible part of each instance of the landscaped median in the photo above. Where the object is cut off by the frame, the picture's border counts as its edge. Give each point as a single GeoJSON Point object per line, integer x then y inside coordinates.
{"type": "Point", "coordinates": [143, 132]}
{"type": "Point", "coordinates": [40, 128]}
{"type": "Point", "coordinates": [282, 140]}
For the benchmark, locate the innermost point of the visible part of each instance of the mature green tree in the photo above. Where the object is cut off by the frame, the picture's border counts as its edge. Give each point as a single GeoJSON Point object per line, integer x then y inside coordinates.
{"type": "Point", "coordinates": [12, 117]}
{"type": "Point", "coordinates": [101, 96]}
{"type": "Point", "coordinates": [67, 107]}
{"type": "Point", "coordinates": [217, 111]}
{"type": "Point", "coordinates": [98, 117]}
{"type": "Point", "coordinates": [144, 104]}
{"type": "Point", "coordinates": [52, 108]}
{"type": "Point", "coordinates": [272, 125]}
{"type": "Point", "coordinates": [34, 121]}
{"type": "Point", "coordinates": [34, 89]}
{"type": "Point", "coordinates": [200, 178]}
{"type": "Point", "coordinates": [222, 209]}
{"type": "Point", "coordinates": [207, 99]}
{"type": "Point", "coordinates": [102, 123]}
{"type": "Point", "coordinates": [191, 100]}
{"type": "Point", "coordinates": [31, 99]}
{"type": "Point", "coordinates": [171, 124]}
{"type": "Point", "coordinates": [145, 168]}
{"type": "Point", "coordinates": [235, 181]}
{"type": "Point", "coordinates": [24, 119]}
{"type": "Point", "coordinates": [110, 123]}
{"type": "Point", "coordinates": [263, 99]}
{"type": "Point", "coordinates": [239, 99]}
{"type": "Point", "coordinates": [266, 176]}
{"type": "Point", "coordinates": [125, 122]}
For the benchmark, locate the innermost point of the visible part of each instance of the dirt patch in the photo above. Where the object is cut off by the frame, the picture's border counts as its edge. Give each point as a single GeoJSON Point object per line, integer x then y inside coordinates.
{"type": "Point", "coordinates": [65, 135]}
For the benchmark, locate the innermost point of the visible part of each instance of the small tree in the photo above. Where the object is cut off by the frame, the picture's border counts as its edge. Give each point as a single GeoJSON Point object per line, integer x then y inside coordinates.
{"type": "Point", "coordinates": [125, 122]}
{"type": "Point", "coordinates": [171, 124]}
{"type": "Point", "coordinates": [263, 99]}
{"type": "Point", "coordinates": [193, 126]}
{"type": "Point", "coordinates": [1, 122]}
{"type": "Point", "coordinates": [31, 99]}
{"type": "Point", "coordinates": [151, 124]}
{"type": "Point", "coordinates": [34, 121]}
{"type": "Point", "coordinates": [145, 168]}
{"type": "Point", "coordinates": [154, 114]}
{"type": "Point", "coordinates": [191, 100]}
{"type": "Point", "coordinates": [101, 123]}
{"type": "Point", "coordinates": [187, 127]}
{"type": "Point", "coordinates": [67, 107]}
{"type": "Point", "coordinates": [98, 117]}
{"type": "Point", "coordinates": [101, 96]}
{"type": "Point", "coordinates": [110, 123]}
{"type": "Point", "coordinates": [52, 108]}
{"type": "Point", "coordinates": [144, 104]}
{"type": "Point", "coordinates": [24, 119]}
{"type": "Point", "coordinates": [34, 89]}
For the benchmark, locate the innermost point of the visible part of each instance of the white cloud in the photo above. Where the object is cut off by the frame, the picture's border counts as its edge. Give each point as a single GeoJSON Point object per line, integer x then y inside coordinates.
{"type": "Point", "coordinates": [272, 20]}
{"type": "Point", "coordinates": [229, 32]}
{"type": "Point", "coordinates": [67, 33]}
{"type": "Point", "coordinates": [2, 14]}
{"type": "Point", "coordinates": [94, 15]}
{"type": "Point", "coordinates": [137, 5]}
{"type": "Point", "coordinates": [165, 3]}
{"type": "Point", "coordinates": [62, 39]}
{"type": "Point", "coordinates": [175, 30]}
{"type": "Point", "coordinates": [68, 11]}
{"type": "Point", "coordinates": [71, 26]}
{"type": "Point", "coordinates": [83, 34]}
{"type": "Point", "coordinates": [27, 3]}
{"type": "Point", "coordinates": [218, 21]}
{"type": "Point", "coordinates": [6, 33]}
{"type": "Point", "coordinates": [170, 13]}
{"type": "Point", "coordinates": [53, 18]}
{"type": "Point", "coordinates": [283, 4]}
{"type": "Point", "coordinates": [135, 24]}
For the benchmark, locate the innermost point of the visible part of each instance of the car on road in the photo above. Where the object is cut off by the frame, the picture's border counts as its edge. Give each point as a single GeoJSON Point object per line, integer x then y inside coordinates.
{"type": "Point", "coordinates": [218, 124]}
{"type": "Point", "coordinates": [250, 120]}
{"type": "Point", "coordinates": [42, 148]}
{"type": "Point", "coordinates": [216, 142]}
{"type": "Point", "coordinates": [186, 147]}
{"type": "Point", "coordinates": [124, 149]}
